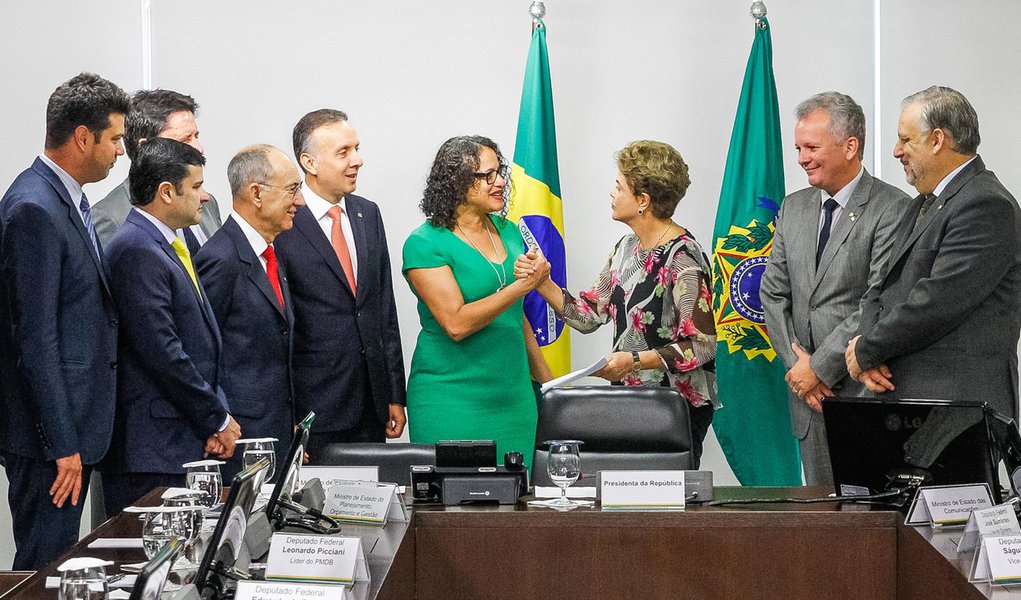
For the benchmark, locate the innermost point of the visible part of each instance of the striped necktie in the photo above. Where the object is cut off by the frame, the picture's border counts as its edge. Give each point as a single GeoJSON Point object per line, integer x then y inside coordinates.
{"type": "Point", "coordinates": [87, 218]}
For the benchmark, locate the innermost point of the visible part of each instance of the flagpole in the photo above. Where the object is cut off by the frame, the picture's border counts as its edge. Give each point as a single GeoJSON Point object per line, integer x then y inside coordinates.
{"type": "Point", "coordinates": [538, 11]}
{"type": "Point", "coordinates": [758, 12]}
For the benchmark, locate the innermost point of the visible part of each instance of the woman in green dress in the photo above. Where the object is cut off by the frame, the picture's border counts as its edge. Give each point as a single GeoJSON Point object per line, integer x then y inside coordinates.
{"type": "Point", "coordinates": [476, 355]}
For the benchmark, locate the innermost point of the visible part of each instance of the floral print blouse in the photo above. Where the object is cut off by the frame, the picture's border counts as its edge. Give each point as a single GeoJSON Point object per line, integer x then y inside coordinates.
{"type": "Point", "coordinates": [657, 299]}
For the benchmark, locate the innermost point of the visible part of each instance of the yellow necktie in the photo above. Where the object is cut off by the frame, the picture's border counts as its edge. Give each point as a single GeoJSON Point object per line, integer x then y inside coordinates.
{"type": "Point", "coordinates": [185, 256]}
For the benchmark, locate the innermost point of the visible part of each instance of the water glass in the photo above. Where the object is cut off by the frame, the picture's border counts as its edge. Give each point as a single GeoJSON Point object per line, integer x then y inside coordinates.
{"type": "Point", "coordinates": [160, 527]}
{"type": "Point", "coordinates": [204, 477]}
{"type": "Point", "coordinates": [83, 579]}
{"type": "Point", "coordinates": [563, 464]}
{"type": "Point", "coordinates": [257, 449]}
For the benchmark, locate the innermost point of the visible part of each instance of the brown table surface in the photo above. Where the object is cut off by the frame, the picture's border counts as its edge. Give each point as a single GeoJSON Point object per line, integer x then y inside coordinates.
{"type": "Point", "coordinates": [784, 550]}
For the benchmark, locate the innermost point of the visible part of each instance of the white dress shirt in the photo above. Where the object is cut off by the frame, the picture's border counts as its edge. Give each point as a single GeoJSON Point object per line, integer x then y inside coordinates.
{"type": "Point", "coordinates": [255, 239]}
{"type": "Point", "coordinates": [74, 189]}
{"type": "Point", "coordinates": [319, 207]}
{"type": "Point", "coordinates": [842, 197]}
{"type": "Point", "coordinates": [950, 177]}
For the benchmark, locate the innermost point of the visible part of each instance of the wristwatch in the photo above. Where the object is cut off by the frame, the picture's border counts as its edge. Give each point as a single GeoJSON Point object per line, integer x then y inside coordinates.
{"type": "Point", "coordinates": [638, 361]}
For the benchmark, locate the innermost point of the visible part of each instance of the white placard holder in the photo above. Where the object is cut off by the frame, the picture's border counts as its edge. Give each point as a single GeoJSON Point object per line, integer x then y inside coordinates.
{"type": "Point", "coordinates": [997, 520]}
{"type": "Point", "coordinates": [641, 490]}
{"type": "Point", "coordinates": [329, 476]}
{"type": "Point", "coordinates": [998, 561]}
{"type": "Point", "coordinates": [316, 559]}
{"type": "Point", "coordinates": [948, 505]}
{"type": "Point", "coordinates": [366, 502]}
{"type": "Point", "coordinates": [276, 590]}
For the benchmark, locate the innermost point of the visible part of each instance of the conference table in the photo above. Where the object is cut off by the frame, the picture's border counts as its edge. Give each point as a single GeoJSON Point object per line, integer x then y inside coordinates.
{"type": "Point", "coordinates": [778, 550]}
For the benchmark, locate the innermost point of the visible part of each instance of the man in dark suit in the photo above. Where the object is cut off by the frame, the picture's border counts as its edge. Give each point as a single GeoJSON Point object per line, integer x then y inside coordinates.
{"type": "Point", "coordinates": [348, 365]}
{"type": "Point", "coordinates": [248, 293]}
{"type": "Point", "coordinates": [156, 113]}
{"type": "Point", "coordinates": [944, 320]}
{"type": "Point", "coordinates": [832, 241]}
{"type": "Point", "coordinates": [58, 322]}
{"type": "Point", "coordinates": [170, 407]}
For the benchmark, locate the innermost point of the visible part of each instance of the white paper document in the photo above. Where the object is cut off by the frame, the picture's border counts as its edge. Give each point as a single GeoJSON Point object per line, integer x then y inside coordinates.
{"type": "Point", "coordinates": [574, 375]}
{"type": "Point", "coordinates": [117, 543]}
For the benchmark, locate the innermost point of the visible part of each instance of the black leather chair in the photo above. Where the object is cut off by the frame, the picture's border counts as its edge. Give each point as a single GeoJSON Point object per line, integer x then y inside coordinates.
{"type": "Point", "coordinates": [394, 460]}
{"type": "Point", "coordinates": [623, 428]}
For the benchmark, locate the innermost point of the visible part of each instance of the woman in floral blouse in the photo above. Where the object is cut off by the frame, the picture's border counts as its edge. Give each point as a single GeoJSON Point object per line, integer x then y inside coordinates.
{"type": "Point", "coordinates": [655, 288]}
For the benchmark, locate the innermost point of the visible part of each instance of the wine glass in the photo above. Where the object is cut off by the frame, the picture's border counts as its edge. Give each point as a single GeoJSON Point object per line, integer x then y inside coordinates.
{"type": "Point", "coordinates": [83, 578]}
{"type": "Point", "coordinates": [204, 476]}
{"type": "Point", "coordinates": [259, 448]}
{"type": "Point", "coordinates": [564, 467]}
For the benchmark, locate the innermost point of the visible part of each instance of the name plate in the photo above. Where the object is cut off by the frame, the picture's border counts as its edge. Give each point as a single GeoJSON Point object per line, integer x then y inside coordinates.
{"type": "Point", "coordinates": [330, 476]}
{"type": "Point", "coordinates": [948, 505]}
{"type": "Point", "coordinates": [642, 490]}
{"type": "Point", "coordinates": [269, 590]}
{"type": "Point", "coordinates": [998, 520]}
{"type": "Point", "coordinates": [998, 560]}
{"type": "Point", "coordinates": [322, 558]}
{"type": "Point", "coordinates": [364, 502]}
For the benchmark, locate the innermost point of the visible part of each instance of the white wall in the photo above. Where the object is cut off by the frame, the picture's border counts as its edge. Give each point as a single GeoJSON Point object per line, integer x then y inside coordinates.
{"type": "Point", "coordinates": [411, 74]}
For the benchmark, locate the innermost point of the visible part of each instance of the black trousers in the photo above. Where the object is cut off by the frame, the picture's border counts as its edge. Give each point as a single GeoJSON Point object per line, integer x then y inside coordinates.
{"type": "Point", "coordinates": [368, 429]}
{"type": "Point", "coordinates": [42, 532]}
{"type": "Point", "coordinates": [701, 418]}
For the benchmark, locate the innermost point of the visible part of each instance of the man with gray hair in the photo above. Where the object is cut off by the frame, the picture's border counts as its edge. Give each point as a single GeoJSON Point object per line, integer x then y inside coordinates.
{"type": "Point", "coordinates": [944, 320]}
{"type": "Point", "coordinates": [247, 290]}
{"type": "Point", "coordinates": [832, 240]}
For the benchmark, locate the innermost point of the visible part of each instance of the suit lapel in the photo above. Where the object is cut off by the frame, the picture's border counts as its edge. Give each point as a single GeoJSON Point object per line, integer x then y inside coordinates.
{"type": "Point", "coordinates": [855, 205]}
{"type": "Point", "coordinates": [253, 266]}
{"type": "Point", "coordinates": [307, 225]}
{"type": "Point", "coordinates": [354, 214]}
{"type": "Point", "coordinates": [955, 185]}
{"type": "Point", "coordinates": [76, 220]}
{"type": "Point", "coordinates": [161, 241]}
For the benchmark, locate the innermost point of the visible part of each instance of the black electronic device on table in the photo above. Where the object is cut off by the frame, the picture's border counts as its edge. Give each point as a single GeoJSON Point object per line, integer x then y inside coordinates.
{"type": "Point", "coordinates": [466, 472]}
{"type": "Point", "coordinates": [883, 445]}
{"type": "Point", "coordinates": [153, 576]}
{"type": "Point", "coordinates": [227, 541]}
{"type": "Point", "coordinates": [296, 508]}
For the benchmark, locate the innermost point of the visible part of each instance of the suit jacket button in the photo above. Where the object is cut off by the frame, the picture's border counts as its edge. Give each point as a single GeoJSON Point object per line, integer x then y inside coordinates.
{"type": "Point", "coordinates": [113, 322]}
{"type": "Point", "coordinates": [113, 364]}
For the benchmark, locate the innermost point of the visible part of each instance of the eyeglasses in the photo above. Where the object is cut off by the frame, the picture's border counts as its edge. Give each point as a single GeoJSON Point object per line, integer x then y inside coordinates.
{"type": "Point", "coordinates": [292, 190]}
{"type": "Point", "coordinates": [491, 175]}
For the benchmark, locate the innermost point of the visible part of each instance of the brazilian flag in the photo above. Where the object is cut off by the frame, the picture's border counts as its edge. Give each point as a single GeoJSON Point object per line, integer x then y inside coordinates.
{"type": "Point", "coordinates": [535, 197]}
{"type": "Point", "coordinates": [753, 426]}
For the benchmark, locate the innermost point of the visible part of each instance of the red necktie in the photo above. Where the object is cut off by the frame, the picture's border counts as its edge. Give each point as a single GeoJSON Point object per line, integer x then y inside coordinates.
{"type": "Point", "coordinates": [271, 270]}
{"type": "Point", "coordinates": [340, 247]}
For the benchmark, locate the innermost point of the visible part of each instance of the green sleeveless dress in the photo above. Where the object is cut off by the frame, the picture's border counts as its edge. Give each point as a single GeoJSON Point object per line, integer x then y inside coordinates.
{"type": "Point", "coordinates": [480, 387]}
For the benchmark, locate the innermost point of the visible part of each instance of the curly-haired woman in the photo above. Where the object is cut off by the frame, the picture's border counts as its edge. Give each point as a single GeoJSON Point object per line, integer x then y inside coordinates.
{"type": "Point", "coordinates": [654, 288]}
{"type": "Point", "coordinates": [476, 355]}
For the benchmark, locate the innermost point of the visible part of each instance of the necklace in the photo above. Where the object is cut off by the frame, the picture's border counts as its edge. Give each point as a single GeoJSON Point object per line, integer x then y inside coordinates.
{"type": "Point", "coordinates": [660, 238]}
{"type": "Point", "coordinates": [502, 278]}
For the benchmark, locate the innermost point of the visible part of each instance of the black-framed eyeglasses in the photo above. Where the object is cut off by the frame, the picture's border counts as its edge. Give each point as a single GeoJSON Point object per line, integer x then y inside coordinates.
{"type": "Point", "coordinates": [491, 175]}
{"type": "Point", "coordinates": [292, 189]}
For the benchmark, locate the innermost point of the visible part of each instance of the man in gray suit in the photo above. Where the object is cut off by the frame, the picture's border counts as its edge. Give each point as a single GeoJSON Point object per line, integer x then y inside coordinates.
{"type": "Point", "coordinates": [944, 320]}
{"type": "Point", "coordinates": [832, 240]}
{"type": "Point", "coordinates": [156, 113]}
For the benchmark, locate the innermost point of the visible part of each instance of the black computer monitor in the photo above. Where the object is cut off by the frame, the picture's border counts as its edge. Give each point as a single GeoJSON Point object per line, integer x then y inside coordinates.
{"type": "Point", "coordinates": [882, 444]}
{"type": "Point", "coordinates": [153, 576]}
{"type": "Point", "coordinates": [228, 536]}
{"type": "Point", "coordinates": [291, 469]}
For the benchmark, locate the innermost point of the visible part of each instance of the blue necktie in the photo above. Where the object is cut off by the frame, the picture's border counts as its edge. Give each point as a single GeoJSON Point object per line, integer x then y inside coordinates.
{"type": "Point", "coordinates": [87, 217]}
{"type": "Point", "coordinates": [824, 236]}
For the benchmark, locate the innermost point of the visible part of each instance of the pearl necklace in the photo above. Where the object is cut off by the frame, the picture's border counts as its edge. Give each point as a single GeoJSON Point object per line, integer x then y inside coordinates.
{"type": "Point", "coordinates": [502, 279]}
